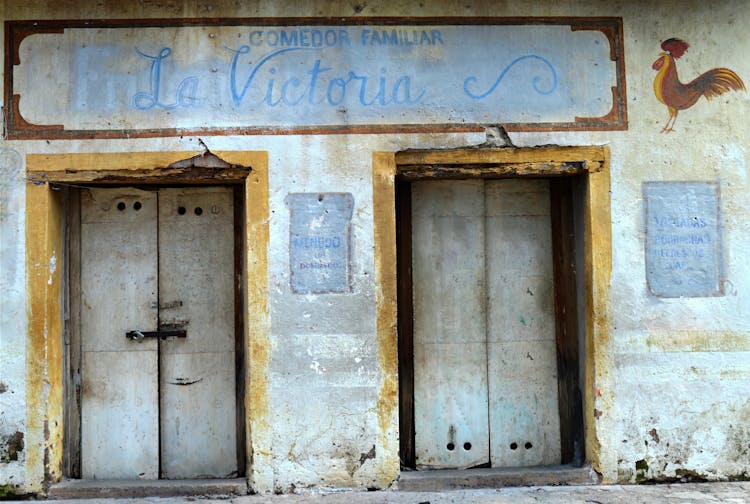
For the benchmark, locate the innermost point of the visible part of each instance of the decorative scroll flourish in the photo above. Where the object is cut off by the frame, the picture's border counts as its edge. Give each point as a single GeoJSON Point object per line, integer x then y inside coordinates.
{"type": "Point", "coordinates": [535, 82]}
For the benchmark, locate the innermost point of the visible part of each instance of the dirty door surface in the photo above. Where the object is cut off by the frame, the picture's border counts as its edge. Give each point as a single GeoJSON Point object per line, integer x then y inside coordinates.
{"type": "Point", "coordinates": [450, 342]}
{"type": "Point", "coordinates": [120, 403]}
{"type": "Point", "coordinates": [158, 260]}
{"type": "Point", "coordinates": [485, 376]}
{"type": "Point", "coordinates": [196, 267]}
{"type": "Point", "coordinates": [521, 351]}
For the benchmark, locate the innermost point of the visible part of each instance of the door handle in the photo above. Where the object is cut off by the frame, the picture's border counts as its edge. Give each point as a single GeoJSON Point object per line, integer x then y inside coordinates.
{"type": "Point", "coordinates": [137, 335]}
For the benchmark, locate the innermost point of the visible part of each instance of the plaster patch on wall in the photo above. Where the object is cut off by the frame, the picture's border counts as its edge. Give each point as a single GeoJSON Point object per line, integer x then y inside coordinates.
{"type": "Point", "coordinates": [683, 238]}
{"type": "Point", "coordinates": [319, 241]}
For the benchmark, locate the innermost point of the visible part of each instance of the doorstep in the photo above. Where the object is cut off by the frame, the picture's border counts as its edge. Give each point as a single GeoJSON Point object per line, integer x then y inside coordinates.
{"type": "Point", "coordinates": [452, 479]}
{"type": "Point", "coordinates": [91, 488]}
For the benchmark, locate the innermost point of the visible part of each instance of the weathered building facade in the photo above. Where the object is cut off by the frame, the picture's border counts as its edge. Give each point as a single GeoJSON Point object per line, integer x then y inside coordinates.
{"type": "Point", "coordinates": [312, 244]}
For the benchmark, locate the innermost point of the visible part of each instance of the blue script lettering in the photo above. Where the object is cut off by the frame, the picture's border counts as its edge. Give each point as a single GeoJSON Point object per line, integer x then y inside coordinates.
{"type": "Point", "coordinates": [186, 90]}
{"type": "Point", "coordinates": [319, 84]}
{"type": "Point", "coordinates": [535, 82]}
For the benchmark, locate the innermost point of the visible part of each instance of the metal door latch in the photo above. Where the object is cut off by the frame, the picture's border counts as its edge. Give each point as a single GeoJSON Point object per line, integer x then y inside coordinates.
{"type": "Point", "coordinates": [164, 334]}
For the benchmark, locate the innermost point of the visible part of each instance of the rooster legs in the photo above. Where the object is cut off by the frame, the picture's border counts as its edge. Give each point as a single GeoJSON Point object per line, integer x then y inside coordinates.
{"type": "Point", "coordinates": [672, 118]}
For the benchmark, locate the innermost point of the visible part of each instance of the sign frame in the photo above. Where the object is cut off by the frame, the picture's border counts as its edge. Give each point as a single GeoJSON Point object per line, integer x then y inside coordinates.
{"type": "Point", "coordinates": [18, 128]}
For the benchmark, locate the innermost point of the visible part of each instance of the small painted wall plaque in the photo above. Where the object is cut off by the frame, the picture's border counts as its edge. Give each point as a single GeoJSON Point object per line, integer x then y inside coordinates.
{"type": "Point", "coordinates": [319, 241]}
{"type": "Point", "coordinates": [683, 239]}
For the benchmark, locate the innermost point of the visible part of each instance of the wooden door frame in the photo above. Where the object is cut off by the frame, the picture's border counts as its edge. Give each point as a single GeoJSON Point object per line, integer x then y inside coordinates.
{"type": "Point", "coordinates": [391, 174]}
{"type": "Point", "coordinates": [47, 324]}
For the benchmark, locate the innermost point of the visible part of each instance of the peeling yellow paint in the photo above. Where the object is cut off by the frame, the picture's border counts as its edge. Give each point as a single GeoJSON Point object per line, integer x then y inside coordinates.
{"type": "Point", "coordinates": [384, 227]}
{"type": "Point", "coordinates": [44, 345]}
{"type": "Point", "coordinates": [598, 394]}
{"type": "Point", "coordinates": [111, 161]}
{"type": "Point", "coordinates": [698, 341]}
{"type": "Point", "coordinates": [257, 322]}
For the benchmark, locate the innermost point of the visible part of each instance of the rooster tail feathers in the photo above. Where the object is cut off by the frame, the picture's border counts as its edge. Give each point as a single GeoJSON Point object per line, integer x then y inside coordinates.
{"type": "Point", "coordinates": [718, 81]}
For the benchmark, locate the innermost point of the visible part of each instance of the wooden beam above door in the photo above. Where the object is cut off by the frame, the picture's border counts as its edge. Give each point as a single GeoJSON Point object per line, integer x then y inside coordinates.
{"type": "Point", "coordinates": [491, 170]}
{"type": "Point", "coordinates": [590, 158]}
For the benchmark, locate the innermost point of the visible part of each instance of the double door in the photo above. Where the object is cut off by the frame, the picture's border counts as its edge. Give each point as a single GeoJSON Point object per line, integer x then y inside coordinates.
{"type": "Point", "coordinates": [485, 363]}
{"type": "Point", "coordinates": [157, 325]}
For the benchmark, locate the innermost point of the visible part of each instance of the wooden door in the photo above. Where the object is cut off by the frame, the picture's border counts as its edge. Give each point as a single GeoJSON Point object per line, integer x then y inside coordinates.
{"type": "Point", "coordinates": [153, 261]}
{"type": "Point", "coordinates": [120, 402]}
{"type": "Point", "coordinates": [485, 376]}
{"type": "Point", "coordinates": [522, 358]}
{"type": "Point", "coordinates": [197, 373]}
{"type": "Point", "coordinates": [450, 326]}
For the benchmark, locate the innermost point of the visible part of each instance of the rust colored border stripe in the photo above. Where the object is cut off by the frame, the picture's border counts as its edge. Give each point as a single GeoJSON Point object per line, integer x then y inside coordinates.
{"type": "Point", "coordinates": [17, 128]}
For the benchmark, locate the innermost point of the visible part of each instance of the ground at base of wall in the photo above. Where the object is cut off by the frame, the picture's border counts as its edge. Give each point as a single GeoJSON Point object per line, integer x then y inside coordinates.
{"type": "Point", "coordinates": [563, 475]}
{"type": "Point", "coordinates": [688, 493]}
{"type": "Point", "coordinates": [96, 489]}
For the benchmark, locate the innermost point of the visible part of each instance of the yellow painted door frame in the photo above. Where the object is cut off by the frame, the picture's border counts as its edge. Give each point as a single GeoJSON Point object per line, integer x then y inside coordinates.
{"type": "Point", "coordinates": [44, 251]}
{"type": "Point", "coordinates": [590, 162]}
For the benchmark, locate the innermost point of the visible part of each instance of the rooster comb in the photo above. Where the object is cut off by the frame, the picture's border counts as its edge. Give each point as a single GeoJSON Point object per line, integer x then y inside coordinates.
{"type": "Point", "coordinates": [675, 47]}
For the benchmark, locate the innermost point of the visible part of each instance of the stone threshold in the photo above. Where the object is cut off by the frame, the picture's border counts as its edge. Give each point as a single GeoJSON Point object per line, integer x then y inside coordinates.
{"type": "Point", "coordinates": [91, 489]}
{"type": "Point", "coordinates": [451, 479]}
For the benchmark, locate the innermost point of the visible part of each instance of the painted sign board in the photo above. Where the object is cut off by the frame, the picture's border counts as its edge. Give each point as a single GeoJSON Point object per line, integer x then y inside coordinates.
{"type": "Point", "coordinates": [683, 239]}
{"type": "Point", "coordinates": [289, 76]}
{"type": "Point", "coordinates": [319, 245]}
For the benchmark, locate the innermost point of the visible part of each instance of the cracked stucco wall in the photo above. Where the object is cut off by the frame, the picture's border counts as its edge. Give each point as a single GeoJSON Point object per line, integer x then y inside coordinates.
{"type": "Point", "coordinates": [672, 395]}
{"type": "Point", "coordinates": [12, 321]}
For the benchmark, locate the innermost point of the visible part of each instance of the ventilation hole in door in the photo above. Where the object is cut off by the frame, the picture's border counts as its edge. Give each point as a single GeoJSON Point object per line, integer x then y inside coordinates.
{"type": "Point", "coordinates": [513, 446]}
{"type": "Point", "coordinates": [528, 445]}
{"type": "Point", "coordinates": [121, 206]}
{"type": "Point", "coordinates": [467, 446]}
{"type": "Point", "coordinates": [137, 205]}
{"type": "Point", "coordinates": [198, 211]}
{"type": "Point", "coordinates": [451, 447]}
{"type": "Point", "coordinates": [181, 210]}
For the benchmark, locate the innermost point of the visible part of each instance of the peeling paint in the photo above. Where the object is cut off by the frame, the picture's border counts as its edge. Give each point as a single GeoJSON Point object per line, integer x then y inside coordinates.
{"type": "Point", "coordinates": [52, 268]}
{"type": "Point", "coordinates": [11, 446]}
{"type": "Point", "coordinates": [364, 457]}
{"type": "Point", "coordinates": [384, 225]}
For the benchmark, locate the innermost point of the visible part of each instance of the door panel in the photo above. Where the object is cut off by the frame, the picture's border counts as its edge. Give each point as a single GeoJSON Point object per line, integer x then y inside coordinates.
{"type": "Point", "coordinates": [485, 362]}
{"type": "Point", "coordinates": [450, 363]}
{"type": "Point", "coordinates": [196, 263]}
{"type": "Point", "coordinates": [522, 359]}
{"type": "Point", "coordinates": [119, 410]}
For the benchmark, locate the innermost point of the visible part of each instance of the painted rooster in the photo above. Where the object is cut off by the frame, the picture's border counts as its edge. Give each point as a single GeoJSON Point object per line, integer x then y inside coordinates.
{"type": "Point", "coordinates": [678, 96]}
